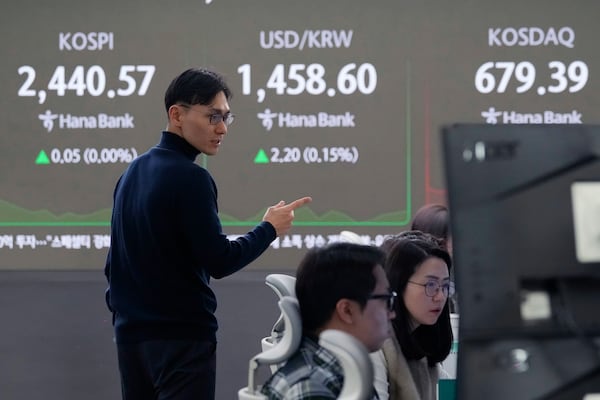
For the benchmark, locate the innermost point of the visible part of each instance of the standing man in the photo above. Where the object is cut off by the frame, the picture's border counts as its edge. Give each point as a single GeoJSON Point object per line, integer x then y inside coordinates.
{"type": "Point", "coordinates": [166, 244]}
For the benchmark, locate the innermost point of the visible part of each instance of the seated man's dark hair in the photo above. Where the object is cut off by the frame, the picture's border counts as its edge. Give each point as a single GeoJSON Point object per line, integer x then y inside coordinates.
{"type": "Point", "coordinates": [328, 274]}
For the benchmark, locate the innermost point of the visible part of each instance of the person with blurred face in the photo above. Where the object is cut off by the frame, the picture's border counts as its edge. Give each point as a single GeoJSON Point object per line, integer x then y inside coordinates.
{"type": "Point", "coordinates": [435, 220]}
{"type": "Point", "coordinates": [418, 269]}
{"type": "Point", "coordinates": [342, 286]}
{"type": "Point", "coordinates": [167, 243]}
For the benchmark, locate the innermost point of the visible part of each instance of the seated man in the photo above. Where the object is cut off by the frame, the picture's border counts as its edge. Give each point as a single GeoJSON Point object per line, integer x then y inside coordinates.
{"type": "Point", "coordinates": [342, 286]}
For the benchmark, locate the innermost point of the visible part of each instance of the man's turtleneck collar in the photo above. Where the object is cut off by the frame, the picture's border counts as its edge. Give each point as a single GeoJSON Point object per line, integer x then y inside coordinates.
{"type": "Point", "coordinates": [172, 141]}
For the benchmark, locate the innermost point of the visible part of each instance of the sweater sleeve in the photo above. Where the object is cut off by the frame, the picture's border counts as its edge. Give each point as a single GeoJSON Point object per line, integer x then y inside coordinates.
{"type": "Point", "coordinates": [211, 249]}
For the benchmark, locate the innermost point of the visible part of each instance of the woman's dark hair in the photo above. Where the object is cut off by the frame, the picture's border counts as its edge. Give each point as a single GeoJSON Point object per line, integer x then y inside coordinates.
{"type": "Point", "coordinates": [196, 86]}
{"type": "Point", "coordinates": [433, 219]}
{"type": "Point", "coordinates": [405, 253]}
{"type": "Point", "coordinates": [337, 271]}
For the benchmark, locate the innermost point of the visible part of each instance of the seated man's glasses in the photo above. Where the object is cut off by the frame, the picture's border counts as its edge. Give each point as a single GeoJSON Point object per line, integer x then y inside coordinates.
{"type": "Point", "coordinates": [215, 118]}
{"type": "Point", "coordinates": [390, 299]}
{"type": "Point", "coordinates": [433, 287]}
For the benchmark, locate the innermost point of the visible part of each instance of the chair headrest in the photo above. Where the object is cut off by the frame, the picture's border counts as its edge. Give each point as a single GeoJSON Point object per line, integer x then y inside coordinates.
{"type": "Point", "coordinates": [283, 285]}
{"type": "Point", "coordinates": [354, 358]}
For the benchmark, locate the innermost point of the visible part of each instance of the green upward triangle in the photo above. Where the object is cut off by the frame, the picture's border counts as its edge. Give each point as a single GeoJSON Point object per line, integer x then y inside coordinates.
{"type": "Point", "coordinates": [261, 157]}
{"type": "Point", "coordinates": [42, 158]}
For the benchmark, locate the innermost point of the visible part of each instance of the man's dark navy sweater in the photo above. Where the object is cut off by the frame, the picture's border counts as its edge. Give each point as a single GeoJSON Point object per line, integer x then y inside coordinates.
{"type": "Point", "coordinates": [166, 243]}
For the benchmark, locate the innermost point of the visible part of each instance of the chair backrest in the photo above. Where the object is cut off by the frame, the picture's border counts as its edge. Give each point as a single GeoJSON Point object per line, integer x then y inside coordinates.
{"type": "Point", "coordinates": [283, 285]}
{"type": "Point", "coordinates": [280, 351]}
{"type": "Point", "coordinates": [354, 358]}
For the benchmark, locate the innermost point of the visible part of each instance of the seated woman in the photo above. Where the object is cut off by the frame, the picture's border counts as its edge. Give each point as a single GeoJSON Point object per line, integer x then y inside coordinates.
{"type": "Point", "coordinates": [435, 220]}
{"type": "Point", "coordinates": [407, 367]}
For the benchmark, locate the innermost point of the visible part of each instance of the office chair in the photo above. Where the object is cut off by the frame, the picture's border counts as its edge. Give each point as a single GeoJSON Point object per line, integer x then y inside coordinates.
{"type": "Point", "coordinates": [280, 351]}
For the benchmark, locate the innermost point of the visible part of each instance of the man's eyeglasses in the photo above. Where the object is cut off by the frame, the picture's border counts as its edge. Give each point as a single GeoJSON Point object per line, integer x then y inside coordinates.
{"type": "Point", "coordinates": [433, 287]}
{"type": "Point", "coordinates": [215, 118]}
{"type": "Point", "coordinates": [390, 299]}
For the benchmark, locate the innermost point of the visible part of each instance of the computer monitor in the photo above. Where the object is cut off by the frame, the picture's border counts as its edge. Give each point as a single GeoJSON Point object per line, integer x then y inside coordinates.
{"type": "Point", "coordinates": [525, 222]}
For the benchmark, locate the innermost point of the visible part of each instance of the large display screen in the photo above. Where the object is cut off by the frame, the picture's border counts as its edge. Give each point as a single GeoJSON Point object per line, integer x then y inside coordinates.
{"type": "Point", "coordinates": [341, 100]}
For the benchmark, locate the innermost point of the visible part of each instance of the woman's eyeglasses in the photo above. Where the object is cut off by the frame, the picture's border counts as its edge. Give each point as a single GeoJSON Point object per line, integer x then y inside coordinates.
{"type": "Point", "coordinates": [432, 288]}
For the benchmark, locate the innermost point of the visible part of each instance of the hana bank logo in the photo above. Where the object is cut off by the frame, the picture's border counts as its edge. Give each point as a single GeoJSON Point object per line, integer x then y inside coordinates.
{"type": "Point", "coordinates": [267, 118]}
{"type": "Point", "coordinates": [314, 120]}
{"type": "Point", "coordinates": [493, 117]}
{"type": "Point", "coordinates": [48, 120]}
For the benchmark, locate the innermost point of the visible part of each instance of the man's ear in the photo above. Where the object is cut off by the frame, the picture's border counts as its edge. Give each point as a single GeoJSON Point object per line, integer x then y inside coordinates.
{"type": "Point", "coordinates": [346, 310]}
{"type": "Point", "coordinates": [175, 115]}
